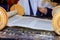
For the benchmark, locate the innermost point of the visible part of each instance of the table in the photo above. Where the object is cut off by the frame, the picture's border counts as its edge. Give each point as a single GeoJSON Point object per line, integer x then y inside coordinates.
{"type": "Point", "coordinates": [27, 34]}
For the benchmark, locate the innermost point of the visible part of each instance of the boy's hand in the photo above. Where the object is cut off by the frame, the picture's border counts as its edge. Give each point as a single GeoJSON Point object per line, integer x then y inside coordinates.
{"type": "Point", "coordinates": [43, 10]}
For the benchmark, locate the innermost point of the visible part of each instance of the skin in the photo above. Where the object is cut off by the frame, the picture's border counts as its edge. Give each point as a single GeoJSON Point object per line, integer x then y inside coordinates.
{"type": "Point", "coordinates": [43, 10]}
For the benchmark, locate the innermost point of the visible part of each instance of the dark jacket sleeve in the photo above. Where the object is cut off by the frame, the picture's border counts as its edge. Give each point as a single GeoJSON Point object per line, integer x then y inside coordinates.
{"type": "Point", "coordinates": [49, 12]}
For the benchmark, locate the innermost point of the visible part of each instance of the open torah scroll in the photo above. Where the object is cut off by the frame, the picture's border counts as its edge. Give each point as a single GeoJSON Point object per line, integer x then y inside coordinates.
{"type": "Point", "coordinates": [29, 22]}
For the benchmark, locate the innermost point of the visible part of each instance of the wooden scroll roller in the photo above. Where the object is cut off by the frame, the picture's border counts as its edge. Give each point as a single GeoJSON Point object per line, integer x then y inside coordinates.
{"type": "Point", "coordinates": [15, 9]}
{"type": "Point", "coordinates": [3, 18]}
{"type": "Point", "coordinates": [56, 19]}
{"type": "Point", "coordinates": [18, 8]}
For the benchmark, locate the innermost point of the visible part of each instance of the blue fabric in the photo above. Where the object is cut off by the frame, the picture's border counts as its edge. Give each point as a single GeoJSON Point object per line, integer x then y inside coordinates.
{"type": "Point", "coordinates": [31, 11]}
{"type": "Point", "coordinates": [5, 6]}
{"type": "Point", "coordinates": [49, 13]}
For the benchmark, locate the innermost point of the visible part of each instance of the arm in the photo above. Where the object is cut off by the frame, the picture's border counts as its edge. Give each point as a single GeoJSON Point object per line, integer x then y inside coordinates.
{"type": "Point", "coordinates": [41, 7]}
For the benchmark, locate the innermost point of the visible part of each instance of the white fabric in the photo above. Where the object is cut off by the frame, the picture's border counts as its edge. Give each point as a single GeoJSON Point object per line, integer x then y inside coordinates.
{"type": "Point", "coordinates": [25, 5]}
{"type": "Point", "coordinates": [40, 3]}
{"type": "Point", "coordinates": [46, 4]}
{"type": "Point", "coordinates": [34, 4]}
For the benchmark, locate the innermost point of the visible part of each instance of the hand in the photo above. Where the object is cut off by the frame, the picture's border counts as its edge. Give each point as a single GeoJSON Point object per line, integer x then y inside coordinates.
{"type": "Point", "coordinates": [43, 10]}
